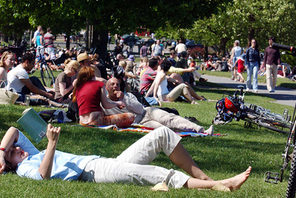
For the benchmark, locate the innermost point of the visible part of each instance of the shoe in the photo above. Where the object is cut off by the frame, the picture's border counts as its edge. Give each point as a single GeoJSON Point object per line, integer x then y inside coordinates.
{"type": "Point", "coordinates": [271, 91]}
{"type": "Point", "coordinates": [247, 90]}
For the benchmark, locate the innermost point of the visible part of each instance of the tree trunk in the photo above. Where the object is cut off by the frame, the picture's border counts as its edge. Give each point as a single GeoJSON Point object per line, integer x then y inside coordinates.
{"type": "Point", "coordinates": [206, 53]}
{"type": "Point", "coordinates": [222, 46]}
{"type": "Point", "coordinates": [100, 41]}
{"type": "Point", "coordinates": [68, 41]}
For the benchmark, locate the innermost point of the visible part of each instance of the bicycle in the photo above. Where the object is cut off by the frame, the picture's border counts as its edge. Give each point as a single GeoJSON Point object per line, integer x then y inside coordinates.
{"type": "Point", "coordinates": [46, 73]}
{"type": "Point", "coordinates": [233, 107]}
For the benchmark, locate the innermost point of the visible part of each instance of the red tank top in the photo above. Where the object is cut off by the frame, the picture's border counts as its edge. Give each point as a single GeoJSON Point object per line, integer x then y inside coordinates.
{"type": "Point", "coordinates": [89, 97]}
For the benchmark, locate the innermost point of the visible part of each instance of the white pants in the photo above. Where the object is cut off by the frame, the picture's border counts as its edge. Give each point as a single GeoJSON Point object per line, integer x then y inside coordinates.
{"type": "Point", "coordinates": [271, 75]}
{"type": "Point", "coordinates": [131, 165]}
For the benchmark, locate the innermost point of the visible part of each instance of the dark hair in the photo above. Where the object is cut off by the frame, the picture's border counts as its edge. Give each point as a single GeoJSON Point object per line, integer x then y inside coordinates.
{"type": "Point", "coordinates": [256, 46]}
{"type": "Point", "coordinates": [29, 57]}
{"type": "Point", "coordinates": [183, 54]}
{"type": "Point", "coordinates": [165, 65]}
{"type": "Point", "coordinates": [153, 62]}
{"type": "Point", "coordinates": [272, 38]}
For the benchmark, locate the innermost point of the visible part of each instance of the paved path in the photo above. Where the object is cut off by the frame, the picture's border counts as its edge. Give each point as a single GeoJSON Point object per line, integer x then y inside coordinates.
{"type": "Point", "coordinates": [282, 95]}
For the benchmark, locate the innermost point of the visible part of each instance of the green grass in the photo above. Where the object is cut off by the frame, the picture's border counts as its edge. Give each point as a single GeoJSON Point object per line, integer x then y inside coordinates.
{"type": "Point", "coordinates": [282, 82]}
{"type": "Point", "coordinates": [218, 157]}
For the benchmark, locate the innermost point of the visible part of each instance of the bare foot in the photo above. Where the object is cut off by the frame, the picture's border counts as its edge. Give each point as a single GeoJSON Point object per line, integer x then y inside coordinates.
{"type": "Point", "coordinates": [234, 183]}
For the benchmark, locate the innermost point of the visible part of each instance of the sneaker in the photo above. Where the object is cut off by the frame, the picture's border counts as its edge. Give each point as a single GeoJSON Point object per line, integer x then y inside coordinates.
{"type": "Point", "coordinates": [271, 91]}
{"type": "Point", "coordinates": [247, 90]}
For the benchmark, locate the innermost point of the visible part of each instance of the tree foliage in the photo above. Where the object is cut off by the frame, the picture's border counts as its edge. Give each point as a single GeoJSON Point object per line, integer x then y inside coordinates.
{"type": "Point", "coordinates": [247, 19]}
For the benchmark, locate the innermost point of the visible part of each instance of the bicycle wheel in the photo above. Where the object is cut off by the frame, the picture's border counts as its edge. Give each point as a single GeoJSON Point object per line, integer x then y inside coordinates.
{"type": "Point", "coordinates": [292, 178]}
{"type": "Point", "coordinates": [46, 76]}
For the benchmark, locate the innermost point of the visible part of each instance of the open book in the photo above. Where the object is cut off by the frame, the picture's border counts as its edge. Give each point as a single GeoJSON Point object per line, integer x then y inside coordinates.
{"type": "Point", "coordinates": [33, 124]}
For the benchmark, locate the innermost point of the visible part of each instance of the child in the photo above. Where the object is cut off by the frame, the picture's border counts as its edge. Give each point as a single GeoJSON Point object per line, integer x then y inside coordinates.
{"type": "Point", "coordinates": [240, 69]}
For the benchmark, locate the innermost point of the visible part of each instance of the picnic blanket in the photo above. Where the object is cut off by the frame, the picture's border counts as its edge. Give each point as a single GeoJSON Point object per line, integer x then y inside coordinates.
{"type": "Point", "coordinates": [142, 129]}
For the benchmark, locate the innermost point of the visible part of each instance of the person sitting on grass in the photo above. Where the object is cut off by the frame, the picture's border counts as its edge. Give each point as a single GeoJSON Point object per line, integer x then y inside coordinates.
{"type": "Point", "coordinates": [150, 116]}
{"type": "Point", "coordinates": [64, 81]}
{"type": "Point", "coordinates": [6, 62]}
{"type": "Point", "coordinates": [19, 81]}
{"type": "Point", "coordinates": [18, 154]}
{"type": "Point", "coordinates": [160, 88]}
{"type": "Point", "coordinates": [90, 94]}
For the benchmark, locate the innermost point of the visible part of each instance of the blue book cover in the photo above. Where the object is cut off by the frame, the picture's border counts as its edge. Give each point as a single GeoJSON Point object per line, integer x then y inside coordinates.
{"type": "Point", "coordinates": [33, 124]}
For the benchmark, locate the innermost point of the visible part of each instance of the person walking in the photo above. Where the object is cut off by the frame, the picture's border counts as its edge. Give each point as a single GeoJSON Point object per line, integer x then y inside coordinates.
{"type": "Point", "coordinates": [253, 62]}
{"type": "Point", "coordinates": [236, 51]}
{"type": "Point", "coordinates": [272, 59]}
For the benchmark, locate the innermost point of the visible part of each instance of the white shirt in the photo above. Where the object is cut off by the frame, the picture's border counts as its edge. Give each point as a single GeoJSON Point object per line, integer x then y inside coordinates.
{"type": "Point", "coordinates": [181, 47]}
{"type": "Point", "coordinates": [14, 78]}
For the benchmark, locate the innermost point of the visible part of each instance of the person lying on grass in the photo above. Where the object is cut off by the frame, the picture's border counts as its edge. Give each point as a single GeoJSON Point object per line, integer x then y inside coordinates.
{"type": "Point", "coordinates": [150, 116]}
{"type": "Point", "coordinates": [18, 154]}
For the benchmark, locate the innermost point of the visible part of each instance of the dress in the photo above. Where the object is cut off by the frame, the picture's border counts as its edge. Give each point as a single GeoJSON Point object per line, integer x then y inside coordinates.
{"type": "Point", "coordinates": [131, 166]}
{"type": "Point", "coordinates": [240, 65]}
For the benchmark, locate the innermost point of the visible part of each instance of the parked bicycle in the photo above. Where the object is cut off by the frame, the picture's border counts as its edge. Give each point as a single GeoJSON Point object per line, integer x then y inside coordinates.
{"type": "Point", "coordinates": [46, 73]}
{"type": "Point", "coordinates": [233, 107]}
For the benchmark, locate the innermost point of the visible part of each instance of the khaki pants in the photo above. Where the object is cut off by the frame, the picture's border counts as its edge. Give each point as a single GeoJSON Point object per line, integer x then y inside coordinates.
{"type": "Point", "coordinates": [155, 117]}
{"type": "Point", "coordinates": [181, 89]}
{"type": "Point", "coordinates": [271, 75]}
{"type": "Point", "coordinates": [131, 166]}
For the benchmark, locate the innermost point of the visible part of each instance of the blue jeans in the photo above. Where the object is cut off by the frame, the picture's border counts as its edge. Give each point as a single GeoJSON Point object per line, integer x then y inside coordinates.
{"type": "Point", "coordinates": [252, 69]}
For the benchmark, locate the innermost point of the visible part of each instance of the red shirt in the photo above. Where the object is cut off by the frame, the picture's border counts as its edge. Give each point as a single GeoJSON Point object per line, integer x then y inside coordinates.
{"type": "Point", "coordinates": [89, 97]}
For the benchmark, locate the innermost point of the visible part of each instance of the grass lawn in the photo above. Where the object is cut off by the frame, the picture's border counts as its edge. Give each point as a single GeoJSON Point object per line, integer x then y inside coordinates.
{"type": "Point", "coordinates": [218, 157]}
{"type": "Point", "coordinates": [282, 82]}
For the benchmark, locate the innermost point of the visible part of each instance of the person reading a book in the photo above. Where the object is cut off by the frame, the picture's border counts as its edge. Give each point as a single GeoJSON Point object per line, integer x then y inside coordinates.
{"type": "Point", "coordinates": [18, 80]}
{"type": "Point", "coordinates": [18, 154]}
{"type": "Point", "coordinates": [90, 94]}
{"type": "Point", "coordinates": [150, 116]}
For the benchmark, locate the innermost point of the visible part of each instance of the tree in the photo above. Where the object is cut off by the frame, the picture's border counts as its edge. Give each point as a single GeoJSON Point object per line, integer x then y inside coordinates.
{"type": "Point", "coordinates": [247, 19]}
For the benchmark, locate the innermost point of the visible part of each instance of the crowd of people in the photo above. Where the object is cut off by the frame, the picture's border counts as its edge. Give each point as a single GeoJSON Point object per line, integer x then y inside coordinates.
{"type": "Point", "coordinates": [122, 96]}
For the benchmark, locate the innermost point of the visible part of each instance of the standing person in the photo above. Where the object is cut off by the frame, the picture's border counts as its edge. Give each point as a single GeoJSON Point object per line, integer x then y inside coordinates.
{"type": "Point", "coordinates": [36, 33]}
{"type": "Point", "coordinates": [48, 41]}
{"type": "Point", "coordinates": [253, 63]}
{"type": "Point", "coordinates": [272, 59]}
{"type": "Point", "coordinates": [181, 47]}
{"type": "Point", "coordinates": [157, 49]}
{"type": "Point", "coordinates": [144, 50]}
{"type": "Point", "coordinates": [39, 45]}
{"type": "Point", "coordinates": [236, 51]}
{"type": "Point", "coordinates": [18, 154]}
{"type": "Point", "coordinates": [6, 62]}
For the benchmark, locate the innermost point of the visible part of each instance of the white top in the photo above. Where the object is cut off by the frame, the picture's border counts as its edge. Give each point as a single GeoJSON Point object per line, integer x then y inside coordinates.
{"type": "Point", "coordinates": [163, 88]}
{"type": "Point", "coordinates": [14, 78]}
{"type": "Point", "coordinates": [237, 51]}
{"type": "Point", "coordinates": [181, 47]}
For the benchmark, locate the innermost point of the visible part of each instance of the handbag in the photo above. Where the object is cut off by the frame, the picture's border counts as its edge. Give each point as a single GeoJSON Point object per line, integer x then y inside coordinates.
{"type": "Point", "coordinates": [7, 97]}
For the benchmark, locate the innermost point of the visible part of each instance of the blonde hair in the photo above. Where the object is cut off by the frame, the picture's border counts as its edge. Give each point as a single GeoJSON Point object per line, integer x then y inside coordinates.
{"type": "Point", "coordinates": [69, 64]}
{"type": "Point", "coordinates": [122, 64]}
{"type": "Point", "coordinates": [4, 57]}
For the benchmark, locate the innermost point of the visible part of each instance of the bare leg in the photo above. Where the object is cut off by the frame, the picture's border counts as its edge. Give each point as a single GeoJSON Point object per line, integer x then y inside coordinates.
{"type": "Point", "coordinates": [194, 94]}
{"type": "Point", "coordinates": [232, 183]}
{"type": "Point", "coordinates": [182, 159]}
